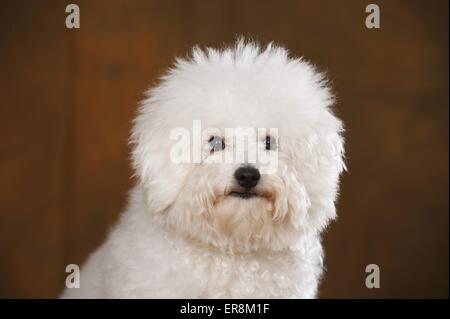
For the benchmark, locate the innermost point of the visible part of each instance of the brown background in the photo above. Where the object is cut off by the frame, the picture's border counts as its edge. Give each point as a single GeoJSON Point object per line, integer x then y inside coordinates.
{"type": "Point", "coordinates": [67, 98]}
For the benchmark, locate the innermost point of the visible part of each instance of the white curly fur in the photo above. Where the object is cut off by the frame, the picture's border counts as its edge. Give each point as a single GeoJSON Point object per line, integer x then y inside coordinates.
{"type": "Point", "coordinates": [182, 236]}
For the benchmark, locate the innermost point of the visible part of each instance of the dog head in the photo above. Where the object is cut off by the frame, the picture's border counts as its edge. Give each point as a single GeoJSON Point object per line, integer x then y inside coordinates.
{"type": "Point", "coordinates": [239, 148]}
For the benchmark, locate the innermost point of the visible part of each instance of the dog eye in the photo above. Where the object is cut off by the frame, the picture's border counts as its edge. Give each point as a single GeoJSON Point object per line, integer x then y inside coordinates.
{"type": "Point", "coordinates": [270, 143]}
{"type": "Point", "coordinates": [217, 143]}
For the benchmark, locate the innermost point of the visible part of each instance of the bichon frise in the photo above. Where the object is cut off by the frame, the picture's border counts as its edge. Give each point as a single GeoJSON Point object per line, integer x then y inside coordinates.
{"type": "Point", "coordinates": [200, 225]}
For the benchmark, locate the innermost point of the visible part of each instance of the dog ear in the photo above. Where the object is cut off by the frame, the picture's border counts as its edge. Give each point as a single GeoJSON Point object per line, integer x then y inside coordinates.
{"type": "Point", "coordinates": [318, 159]}
{"type": "Point", "coordinates": [330, 166]}
{"type": "Point", "coordinates": [334, 151]}
{"type": "Point", "coordinates": [157, 174]}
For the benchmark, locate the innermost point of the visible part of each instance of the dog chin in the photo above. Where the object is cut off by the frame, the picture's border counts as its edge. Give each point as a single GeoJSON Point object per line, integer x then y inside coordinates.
{"type": "Point", "coordinates": [239, 209]}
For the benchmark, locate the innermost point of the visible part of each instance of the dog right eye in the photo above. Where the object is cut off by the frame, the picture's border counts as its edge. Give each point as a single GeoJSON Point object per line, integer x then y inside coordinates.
{"type": "Point", "coordinates": [217, 143]}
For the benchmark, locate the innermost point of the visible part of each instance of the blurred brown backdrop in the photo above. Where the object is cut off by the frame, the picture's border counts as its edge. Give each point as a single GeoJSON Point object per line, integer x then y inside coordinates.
{"type": "Point", "coordinates": [68, 96]}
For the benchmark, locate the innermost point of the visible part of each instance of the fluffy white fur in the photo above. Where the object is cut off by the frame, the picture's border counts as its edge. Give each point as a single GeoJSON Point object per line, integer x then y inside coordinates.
{"type": "Point", "coordinates": [182, 236]}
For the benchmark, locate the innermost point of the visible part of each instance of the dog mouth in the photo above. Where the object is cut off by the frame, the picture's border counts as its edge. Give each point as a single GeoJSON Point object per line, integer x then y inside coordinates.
{"type": "Point", "coordinates": [243, 194]}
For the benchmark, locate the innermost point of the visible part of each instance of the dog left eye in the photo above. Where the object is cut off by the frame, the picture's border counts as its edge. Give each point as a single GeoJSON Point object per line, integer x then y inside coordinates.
{"type": "Point", "coordinates": [217, 143]}
{"type": "Point", "coordinates": [270, 143]}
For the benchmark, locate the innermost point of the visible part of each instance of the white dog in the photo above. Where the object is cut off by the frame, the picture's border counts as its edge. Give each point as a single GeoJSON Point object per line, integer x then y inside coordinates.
{"type": "Point", "coordinates": [215, 229]}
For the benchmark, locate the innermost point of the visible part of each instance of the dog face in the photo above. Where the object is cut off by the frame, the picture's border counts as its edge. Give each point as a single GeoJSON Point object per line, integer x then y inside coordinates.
{"type": "Point", "coordinates": [264, 151]}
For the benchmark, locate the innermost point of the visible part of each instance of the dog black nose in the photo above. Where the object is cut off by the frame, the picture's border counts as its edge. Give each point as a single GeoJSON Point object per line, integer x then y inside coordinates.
{"type": "Point", "coordinates": [247, 176]}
